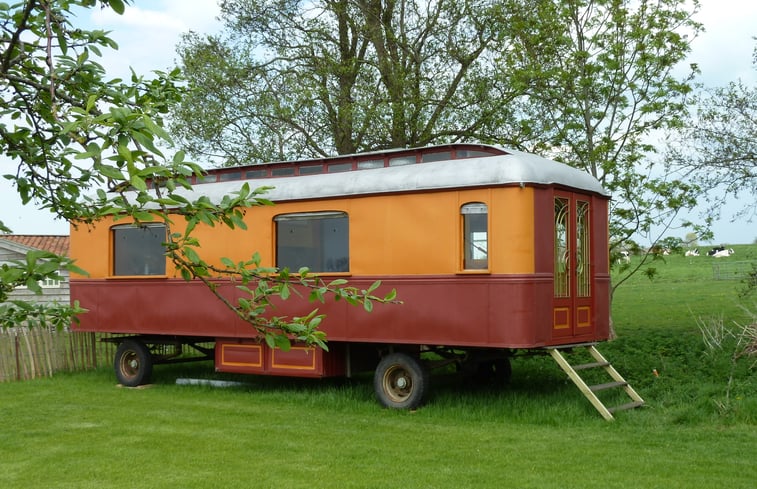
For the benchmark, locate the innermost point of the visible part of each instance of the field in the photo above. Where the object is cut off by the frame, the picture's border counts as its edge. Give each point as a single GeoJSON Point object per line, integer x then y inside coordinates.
{"type": "Point", "coordinates": [699, 428]}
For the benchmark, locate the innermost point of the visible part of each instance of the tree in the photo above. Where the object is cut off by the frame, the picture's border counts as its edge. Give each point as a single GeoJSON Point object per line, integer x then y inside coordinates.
{"type": "Point", "coordinates": [292, 79]}
{"type": "Point", "coordinates": [72, 133]}
{"type": "Point", "coordinates": [598, 83]}
{"type": "Point", "coordinates": [588, 82]}
{"type": "Point", "coordinates": [717, 147]}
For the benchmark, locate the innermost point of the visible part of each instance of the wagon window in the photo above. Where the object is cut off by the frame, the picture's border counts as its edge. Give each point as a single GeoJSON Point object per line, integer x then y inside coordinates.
{"type": "Point", "coordinates": [583, 275]}
{"type": "Point", "coordinates": [427, 157]}
{"type": "Point", "coordinates": [475, 236]}
{"type": "Point", "coordinates": [402, 160]}
{"type": "Point", "coordinates": [287, 171]}
{"type": "Point", "coordinates": [368, 164]}
{"type": "Point", "coordinates": [317, 240]}
{"type": "Point", "coordinates": [139, 250]}
{"type": "Point", "coordinates": [562, 253]}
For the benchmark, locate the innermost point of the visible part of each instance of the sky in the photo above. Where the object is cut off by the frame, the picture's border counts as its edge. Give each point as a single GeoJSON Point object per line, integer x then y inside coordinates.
{"type": "Point", "coordinates": [148, 31]}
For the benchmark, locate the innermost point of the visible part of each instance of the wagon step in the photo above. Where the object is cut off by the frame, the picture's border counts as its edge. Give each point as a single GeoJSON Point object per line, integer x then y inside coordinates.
{"type": "Point", "coordinates": [559, 354]}
{"type": "Point", "coordinates": [623, 407]}
{"type": "Point", "coordinates": [608, 385]}
{"type": "Point", "coordinates": [590, 365]}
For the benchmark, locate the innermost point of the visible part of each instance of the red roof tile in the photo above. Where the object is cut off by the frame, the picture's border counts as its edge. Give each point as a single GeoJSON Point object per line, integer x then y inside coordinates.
{"type": "Point", "coordinates": [55, 244]}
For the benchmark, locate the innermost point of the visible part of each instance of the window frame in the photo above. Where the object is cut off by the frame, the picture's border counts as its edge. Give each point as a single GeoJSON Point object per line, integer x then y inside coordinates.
{"type": "Point", "coordinates": [323, 256]}
{"type": "Point", "coordinates": [468, 263]}
{"type": "Point", "coordinates": [162, 269]}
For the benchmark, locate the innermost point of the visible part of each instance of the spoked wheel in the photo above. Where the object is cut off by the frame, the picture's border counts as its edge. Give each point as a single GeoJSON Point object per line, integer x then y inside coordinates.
{"type": "Point", "coordinates": [401, 381]}
{"type": "Point", "coordinates": [133, 363]}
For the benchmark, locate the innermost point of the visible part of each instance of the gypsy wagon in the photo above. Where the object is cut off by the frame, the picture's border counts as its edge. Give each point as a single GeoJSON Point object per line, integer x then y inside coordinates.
{"type": "Point", "coordinates": [491, 251]}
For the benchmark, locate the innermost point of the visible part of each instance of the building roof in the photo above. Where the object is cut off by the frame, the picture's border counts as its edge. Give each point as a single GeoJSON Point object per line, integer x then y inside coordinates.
{"type": "Point", "coordinates": [55, 244]}
{"type": "Point", "coordinates": [495, 169]}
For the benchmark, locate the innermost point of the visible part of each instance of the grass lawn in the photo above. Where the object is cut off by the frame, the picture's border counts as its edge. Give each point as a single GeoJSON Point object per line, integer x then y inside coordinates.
{"type": "Point", "coordinates": [81, 431]}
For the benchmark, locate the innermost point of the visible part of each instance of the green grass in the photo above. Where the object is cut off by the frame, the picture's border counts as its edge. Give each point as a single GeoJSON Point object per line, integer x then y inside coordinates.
{"type": "Point", "coordinates": [81, 431]}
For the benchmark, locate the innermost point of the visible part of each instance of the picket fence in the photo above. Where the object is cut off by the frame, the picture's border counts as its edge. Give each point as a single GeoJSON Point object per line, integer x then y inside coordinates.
{"type": "Point", "coordinates": [40, 352]}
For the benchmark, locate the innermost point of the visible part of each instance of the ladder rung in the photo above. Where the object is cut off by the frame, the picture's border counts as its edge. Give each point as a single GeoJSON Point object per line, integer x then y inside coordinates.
{"type": "Point", "coordinates": [609, 385]}
{"type": "Point", "coordinates": [591, 365]}
{"type": "Point", "coordinates": [623, 407]}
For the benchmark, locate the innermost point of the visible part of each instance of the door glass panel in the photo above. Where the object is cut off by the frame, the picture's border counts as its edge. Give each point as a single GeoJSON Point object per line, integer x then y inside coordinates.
{"type": "Point", "coordinates": [562, 253]}
{"type": "Point", "coordinates": [583, 276]}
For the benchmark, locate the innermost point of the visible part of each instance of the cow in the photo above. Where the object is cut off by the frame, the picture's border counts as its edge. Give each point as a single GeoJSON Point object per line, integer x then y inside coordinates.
{"type": "Point", "coordinates": [625, 256]}
{"type": "Point", "coordinates": [723, 253]}
{"type": "Point", "coordinates": [719, 249]}
{"type": "Point", "coordinates": [694, 252]}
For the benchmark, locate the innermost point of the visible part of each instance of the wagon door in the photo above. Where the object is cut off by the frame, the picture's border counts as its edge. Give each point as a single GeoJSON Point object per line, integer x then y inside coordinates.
{"type": "Point", "coordinates": [573, 281]}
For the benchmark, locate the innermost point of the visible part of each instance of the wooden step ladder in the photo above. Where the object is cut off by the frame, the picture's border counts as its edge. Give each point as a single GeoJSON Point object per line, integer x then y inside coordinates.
{"type": "Point", "coordinates": [559, 353]}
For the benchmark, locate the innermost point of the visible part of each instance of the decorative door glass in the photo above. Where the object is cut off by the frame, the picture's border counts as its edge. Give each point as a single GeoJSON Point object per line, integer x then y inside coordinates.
{"type": "Point", "coordinates": [583, 274]}
{"type": "Point", "coordinates": [562, 252]}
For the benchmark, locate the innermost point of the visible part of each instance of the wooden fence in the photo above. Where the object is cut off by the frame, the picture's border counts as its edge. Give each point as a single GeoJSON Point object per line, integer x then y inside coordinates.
{"type": "Point", "coordinates": [40, 352]}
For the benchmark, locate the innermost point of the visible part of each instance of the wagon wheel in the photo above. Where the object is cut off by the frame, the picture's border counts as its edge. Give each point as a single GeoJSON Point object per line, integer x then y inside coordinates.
{"type": "Point", "coordinates": [133, 363]}
{"type": "Point", "coordinates": [401, 381]}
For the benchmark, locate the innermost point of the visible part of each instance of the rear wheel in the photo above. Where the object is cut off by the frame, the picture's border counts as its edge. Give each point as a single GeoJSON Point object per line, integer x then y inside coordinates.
{"type": "Point", "coordinates": [133, 363]}
{"type": "Point", "coordinates": [401, 381]}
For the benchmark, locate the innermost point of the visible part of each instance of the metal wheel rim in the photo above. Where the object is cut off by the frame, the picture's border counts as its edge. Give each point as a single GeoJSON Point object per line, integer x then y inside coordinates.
{"type": "Point", "coordinates": [129, 364]}
{"type": "Point", "coordinates": [397, 383]}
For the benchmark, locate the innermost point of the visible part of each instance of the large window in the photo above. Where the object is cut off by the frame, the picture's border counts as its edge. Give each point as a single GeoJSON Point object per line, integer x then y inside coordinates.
{"type": "Point", "coordinates": [138, 250]}
{"type": "Point", "coordinates": [475, 236]}
{"type": "Point", "coordinates": [317, 240]}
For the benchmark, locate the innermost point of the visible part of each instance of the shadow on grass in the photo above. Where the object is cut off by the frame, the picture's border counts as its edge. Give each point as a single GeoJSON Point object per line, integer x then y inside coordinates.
{"type": "Point", "coordinates": [537, 384]}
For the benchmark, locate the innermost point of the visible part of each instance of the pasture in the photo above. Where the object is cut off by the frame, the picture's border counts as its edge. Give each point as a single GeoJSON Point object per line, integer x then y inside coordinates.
{"type": "Point", "coordinates": [699, 428]}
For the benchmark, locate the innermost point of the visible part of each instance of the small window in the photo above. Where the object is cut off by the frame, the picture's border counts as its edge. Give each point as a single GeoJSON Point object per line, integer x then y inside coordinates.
{"type": "Point", "coordinates": [340, 167]}
{"type": "Point", "coordinates": [369, 164]}
{"type": "Point", "coordinates": [206, 178]}
{"type": "Point", "coordinates": [226, 177]}
{"type": "Point", "coordinates": [317, 240]}
{"type": "Point", "coordinates": [282, 172]}
{"type": "Point", "coordinates": [139, 250]}
{"type": "Point", "coordinates": [311, 169]}
{"type": "Point", "coordinates": [472, 153]}
{"type": "Point", "coordinates": [256, 174]}
{"type": "Point", "coordinates": [475, 236]}
{"type": "Point", "coordinates": [402, 160]}
{"type": "Point", "coordinates": [446, 155]}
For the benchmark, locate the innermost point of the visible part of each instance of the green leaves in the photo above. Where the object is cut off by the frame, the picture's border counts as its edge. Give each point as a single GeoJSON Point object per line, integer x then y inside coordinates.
{"type": "Point", "coordinates": [90, 148]}
{"type": "Point", "coordinates": [353, 78]}
{"type": "Point", "coordinates": [116, 5]}
{"type": "Point", "coordinates": [37, 267]}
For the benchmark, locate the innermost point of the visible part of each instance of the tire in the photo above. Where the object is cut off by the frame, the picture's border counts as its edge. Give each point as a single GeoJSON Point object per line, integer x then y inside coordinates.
{"type": "Point", "coordinates": [133, 363]}
{"type": "Point", "coordinates": [401, 381]}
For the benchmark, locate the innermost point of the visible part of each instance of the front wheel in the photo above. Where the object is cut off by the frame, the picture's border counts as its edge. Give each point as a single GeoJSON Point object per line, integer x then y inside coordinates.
{"type": "Point", "coordinates": [133, 363]}
{"type": "Point", "coordinates": [401, 381]}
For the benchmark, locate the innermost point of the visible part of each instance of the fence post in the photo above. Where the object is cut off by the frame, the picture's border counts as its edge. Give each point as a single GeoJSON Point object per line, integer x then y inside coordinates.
{"type": "Point", "coordinates": [94, 349]}
{"type": "Point", "coordinates": [18, 358]}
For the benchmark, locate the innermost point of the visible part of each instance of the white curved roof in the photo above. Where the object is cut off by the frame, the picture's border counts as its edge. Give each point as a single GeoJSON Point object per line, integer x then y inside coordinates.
{"type": "Point", "coordinates": [513, 168]}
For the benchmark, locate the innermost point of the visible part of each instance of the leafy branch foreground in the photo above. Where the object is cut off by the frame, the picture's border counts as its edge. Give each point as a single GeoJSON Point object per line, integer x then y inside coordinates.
{"type": "Point", "coordinates": [261, 284]}
{"type": "Point", "coordinates": [73, 132]}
